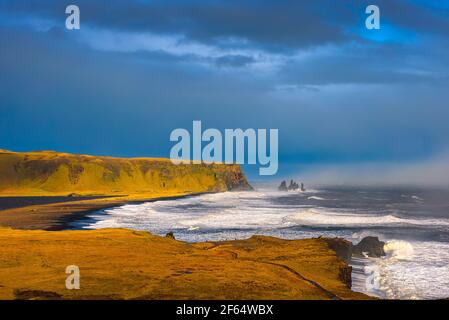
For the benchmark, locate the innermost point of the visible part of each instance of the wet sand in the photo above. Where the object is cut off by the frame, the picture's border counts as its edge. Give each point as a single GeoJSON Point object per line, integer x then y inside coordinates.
{"type": "Point", "coordinates": [57, 215]}
{"type": "Point", "coordinates": [20, 202]}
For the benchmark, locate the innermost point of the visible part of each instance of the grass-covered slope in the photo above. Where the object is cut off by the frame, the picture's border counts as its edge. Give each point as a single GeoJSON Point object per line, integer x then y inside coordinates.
{"type": "Point", "coordinates": [46, 173]}
{"type": "Point", "coordinates": [125, 264]}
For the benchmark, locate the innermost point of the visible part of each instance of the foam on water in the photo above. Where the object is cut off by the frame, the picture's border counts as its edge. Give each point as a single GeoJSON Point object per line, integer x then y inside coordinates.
{"type": "Point", "coordinates": [417, 270]}
{"type": "Point", "coordinates": [317, 217]}
{"type": "Point", "coordinates": [315, 198]}
{"type": "Point", "coordinates": [399, 249]}
{"type": "Point", "coordinates": [412, 269]}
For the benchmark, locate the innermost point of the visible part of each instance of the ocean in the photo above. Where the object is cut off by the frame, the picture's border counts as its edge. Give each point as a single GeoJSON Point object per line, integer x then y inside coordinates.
{"type": "Point", "coordinates": [413, 222]}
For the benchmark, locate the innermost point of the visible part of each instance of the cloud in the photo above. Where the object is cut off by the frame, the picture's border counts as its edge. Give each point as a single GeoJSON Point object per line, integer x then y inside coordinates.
{"type": "Point", "coordinates": [235, 60]}
{"type": "Point", "coordinates": [120, 84]}
{"type": "Point", "coordinates": [355, 64]}
{"type": "Point", "coordinates": [178, 46]}
{"type": "Point", "coordinates": [263, 36]}
{"type": "Point", "coordinates": [274, 25]}
{"type": "Point", "coordinates": [425, 173]}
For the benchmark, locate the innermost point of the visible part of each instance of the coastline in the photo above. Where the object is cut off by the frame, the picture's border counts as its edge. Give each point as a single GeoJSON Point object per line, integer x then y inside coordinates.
{"type": "Point", "coordinates": [60, 215]}
{"type": "Point", "coordinates": [327, 274]}
{"type": "Point", "coordinates": [66, 222]}
{"type": "Point", "coordinates": [113, 181]}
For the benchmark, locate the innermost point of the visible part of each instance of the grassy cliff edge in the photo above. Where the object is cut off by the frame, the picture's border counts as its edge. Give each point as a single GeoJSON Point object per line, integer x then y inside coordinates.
{"type": "Point", "coordinates": [126, 264]}
{"type": "Point", "coordinates": [49, 173]}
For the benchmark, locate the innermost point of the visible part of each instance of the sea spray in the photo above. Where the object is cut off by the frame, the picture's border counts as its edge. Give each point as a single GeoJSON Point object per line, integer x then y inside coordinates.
{"type": "Point", "coordinates": [399, 249]}
{"type": "Point", "coordinates": [414, 269]}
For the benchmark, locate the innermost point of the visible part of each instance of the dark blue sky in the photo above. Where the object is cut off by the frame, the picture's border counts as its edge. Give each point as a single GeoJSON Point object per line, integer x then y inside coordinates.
{"type": "Point", "coordinates": [338, 93]}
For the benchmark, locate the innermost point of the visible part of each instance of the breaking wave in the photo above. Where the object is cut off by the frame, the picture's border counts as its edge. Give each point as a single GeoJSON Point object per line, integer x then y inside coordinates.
{"type": "Point", "coordinates": [399, 249]}
{"type": "Point", "coordinates": [316, 198]}
{"type": "Point", "coordinates": [319, 217]}
{"type": "Point", "coordinates": [413, 268]}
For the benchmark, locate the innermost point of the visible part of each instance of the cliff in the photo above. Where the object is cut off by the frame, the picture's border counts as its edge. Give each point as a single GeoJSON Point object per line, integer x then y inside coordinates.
{"type": "Point", "coordinates": [49, 173]}
{"type": "Point", "coordinates": [125, 264]}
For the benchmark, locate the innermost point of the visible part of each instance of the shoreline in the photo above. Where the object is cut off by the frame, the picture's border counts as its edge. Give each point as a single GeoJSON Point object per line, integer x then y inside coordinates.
{"type": "Point", "coordinates": [16, 202]}
{"type": "Point", "coordinates": [59, 216]}
{"type": "Point", "coordinates": [68, 221]}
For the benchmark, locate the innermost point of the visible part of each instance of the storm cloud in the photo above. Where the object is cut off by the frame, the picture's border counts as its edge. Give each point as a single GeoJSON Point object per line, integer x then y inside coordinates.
{"type": "Point", "coordinates": [136, 70]}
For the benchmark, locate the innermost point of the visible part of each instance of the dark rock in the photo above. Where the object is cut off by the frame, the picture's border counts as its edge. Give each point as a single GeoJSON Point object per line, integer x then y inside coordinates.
{"type": "Point", "coordinates": [345, 275]}
{"type": "Point", "coordinates": [73, 195]}
{"type": "Point", "coordinates": [342, 247]}
{"type": "Point", "coordinates": [283, 186]}
{"type": "Point", "coordinates": [293, 185]}
{"type": "Point", "coordinates": [371, 246]}
{"type": "Point", "coordinates": [170, 235]}
{"type": "Point", "coordinates": [236, 181]}
{"type": "Point", "coordinates": [343, 250]}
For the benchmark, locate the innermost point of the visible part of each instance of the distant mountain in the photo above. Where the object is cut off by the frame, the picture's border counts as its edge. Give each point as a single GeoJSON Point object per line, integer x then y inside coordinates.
{"type": "Point", "coordinates": [48, 173]}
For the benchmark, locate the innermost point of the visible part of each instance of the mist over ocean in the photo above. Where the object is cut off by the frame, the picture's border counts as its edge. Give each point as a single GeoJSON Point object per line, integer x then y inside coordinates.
{"type": "Point", "coordinates": [413, 222]}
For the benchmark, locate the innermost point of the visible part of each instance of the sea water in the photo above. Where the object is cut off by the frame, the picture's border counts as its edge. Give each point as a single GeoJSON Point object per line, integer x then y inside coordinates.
{"type": "Point", "coordinates": [414, 223]}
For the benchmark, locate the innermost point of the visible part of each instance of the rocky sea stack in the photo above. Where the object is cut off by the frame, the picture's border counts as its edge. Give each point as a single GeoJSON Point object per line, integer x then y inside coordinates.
{"type": "Point", "coordinates": [369, 246]}
{"type": "Point", "coordinates": [292, 186]}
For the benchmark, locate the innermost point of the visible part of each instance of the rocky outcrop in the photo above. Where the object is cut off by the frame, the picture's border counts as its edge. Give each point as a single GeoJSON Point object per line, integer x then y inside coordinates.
{"type": "Point", "coordinates": [73, 195]}
{"type": "Point", "coordinates": [283, 186]}
{"type": "Point", "coordinates": [345, 275]}
{"type": "Point", "coordinates": [370, 246]}
{"type": "Point", "coordinates": [342, 247]}
{"type": "Point", "coordinates": [291, 187]}
{"type": "Point", "coordinates": [170, 235]}
{"type": "Point", "coordinates": [345, 250]}
{"type": "Point", "coordinates": [235, 180]}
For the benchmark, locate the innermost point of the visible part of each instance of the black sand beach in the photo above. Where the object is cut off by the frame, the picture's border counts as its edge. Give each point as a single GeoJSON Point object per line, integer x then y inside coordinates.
{"type": "Point", "coordinates": [20, 202]}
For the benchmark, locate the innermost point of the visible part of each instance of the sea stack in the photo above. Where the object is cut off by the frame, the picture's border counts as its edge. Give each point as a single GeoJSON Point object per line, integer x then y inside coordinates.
{"type": "Point", "coordinates": [291, 187]}
{"type": "Point", "coordinates": [369, 246]}
{"type": "Point", "coordinates": [283, 186]}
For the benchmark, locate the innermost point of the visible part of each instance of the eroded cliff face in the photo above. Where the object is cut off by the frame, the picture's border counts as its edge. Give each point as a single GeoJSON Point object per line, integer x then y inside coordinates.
{"type": "Point", "coordinates": [54, 173]}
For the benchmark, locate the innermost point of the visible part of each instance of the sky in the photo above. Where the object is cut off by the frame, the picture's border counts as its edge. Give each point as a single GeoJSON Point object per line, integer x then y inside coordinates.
{"type": "Point", "coordinates": [342, 97]}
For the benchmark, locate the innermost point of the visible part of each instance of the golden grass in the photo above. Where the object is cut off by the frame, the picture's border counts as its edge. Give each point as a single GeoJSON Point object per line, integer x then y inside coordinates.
{"type": "Point", "coordinates": [48, 173]}
{"type": "Point", "coordinates": [124, 264]}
